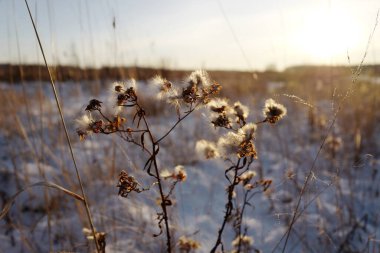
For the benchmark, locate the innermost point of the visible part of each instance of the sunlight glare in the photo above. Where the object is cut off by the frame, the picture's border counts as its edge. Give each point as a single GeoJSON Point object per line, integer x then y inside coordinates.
{"type": "Point", "coordinates": [325, 37]}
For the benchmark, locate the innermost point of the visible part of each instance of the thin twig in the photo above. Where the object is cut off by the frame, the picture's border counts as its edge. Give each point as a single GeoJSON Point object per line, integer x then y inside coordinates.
{"type": "Point", "coordinates": [155, 149]}
{"type": "Point", "coordinates": [229, 206]}
{"type": "Point", "coordinates": [178, 121]}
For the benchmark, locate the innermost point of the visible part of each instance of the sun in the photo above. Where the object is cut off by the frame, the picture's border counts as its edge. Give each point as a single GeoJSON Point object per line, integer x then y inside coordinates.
{"type": "Point", "coordinates": [324, 37]}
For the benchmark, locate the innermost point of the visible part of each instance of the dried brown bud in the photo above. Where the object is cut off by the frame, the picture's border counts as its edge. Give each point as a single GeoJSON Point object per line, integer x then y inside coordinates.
{"type": "Point", "coordinates": [222, 121]}
{"type": "Point", "coordinates": [118, 88]}
{"type": "Point", "coordinates": [189, 95]}
{"type": "Point", "coordinates": [93, 105]}
{"type": "Point", "coordinates": [247, 149]}
{"type": "Point", "coordinates": [127, 184]}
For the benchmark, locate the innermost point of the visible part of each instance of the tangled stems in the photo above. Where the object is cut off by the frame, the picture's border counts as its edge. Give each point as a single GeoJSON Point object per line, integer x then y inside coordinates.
{"type": "Point", "coordinates": [115, 126]}
{"type": "Point", "coordinates": [238, 142]}
{"type": "Point", "coordinates": [155, 147]}
{"type": "Point", "coordinates": [198, 91]}
{"type": "Point", "coordinates": [155, 150]}
{"type": "Point", "coordinates": [153, 161]}
{"type": "Point", "coordinates": [229, 205]}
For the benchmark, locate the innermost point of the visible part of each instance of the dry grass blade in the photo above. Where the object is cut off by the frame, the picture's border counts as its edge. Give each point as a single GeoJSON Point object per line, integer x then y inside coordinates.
{"type": "Point", "coordinates": [85, 202]}
{"type": "Point", "coordinates": [10, 202]}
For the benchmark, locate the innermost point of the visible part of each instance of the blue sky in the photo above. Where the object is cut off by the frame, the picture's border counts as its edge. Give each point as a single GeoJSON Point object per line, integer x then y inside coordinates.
{"type": "Point", "coordinates": [214, 34]}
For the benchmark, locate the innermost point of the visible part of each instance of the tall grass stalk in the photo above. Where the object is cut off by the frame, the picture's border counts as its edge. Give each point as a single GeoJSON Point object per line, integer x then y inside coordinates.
{"type": "Point", "coordinates": [85, 201]}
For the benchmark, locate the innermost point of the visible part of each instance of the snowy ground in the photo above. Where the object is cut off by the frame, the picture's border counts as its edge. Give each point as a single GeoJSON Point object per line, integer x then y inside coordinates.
{"type": "Point", "coordinates": [339, 207]}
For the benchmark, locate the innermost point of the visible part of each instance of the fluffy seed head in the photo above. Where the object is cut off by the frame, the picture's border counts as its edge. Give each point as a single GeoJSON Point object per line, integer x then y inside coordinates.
{"type": "Point", "coordinates": [248, 130]}
{"type": "Point", "coordinates": [180, 173]}
{"type": "Point", "coordinates": [218, 105]}
{"type": "Point", "coordinates": [164, 86]}
{"type": "Point", "coordinates": [84, 122]}
{"type": "Point", "coordinates": [241, 112]}
{"type": "Point", "coordinates": [94, 105]}
{"type": "Point", "coordinates": [229, 144]}
{"type": "Point", "coordinates": [206, 149]}
{"type": "Point", "coordinates": [200, 78]}
{"type": "Point", "coordinates": [187, 244]}
{"type": "Point", "coordinates": [243, 240]}
{"type": "Point", "coordinates": [273, 111]}
{"type": "Point", "coordinates": [166, 174]}
{"type": "Point", "coordinates": [246, 177]}
{"type": "Point", "coordinates": [116, 87]}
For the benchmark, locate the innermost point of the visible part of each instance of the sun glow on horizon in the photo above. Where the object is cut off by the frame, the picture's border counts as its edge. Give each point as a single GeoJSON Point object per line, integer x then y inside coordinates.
{"type": "Point", "coordinates": [327, 37]}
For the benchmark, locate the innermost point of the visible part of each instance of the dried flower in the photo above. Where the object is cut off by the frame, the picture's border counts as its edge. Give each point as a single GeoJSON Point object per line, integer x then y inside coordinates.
{"type": "Point", "coordinates": [82, 134]}
{"type": "Point", "coordinates": [243, 240]}
{"type": "Point", "coordinates": [117, 87]}
{"type": "Point", "coordinates": [97, 126]}
{"type": "Point", "coordinates": [187, 244]}
{"type": "Point", "coordinates": [115, 124]}
{"type": "Point", "coordinates": [84, 126]}
{"type": "Point", "coordinates": [221, 121]}
{"type": "Point", "coordinates": [247, 149]}
{"type": "Point", "coordinates": [127, 184]}
{"type": "Point", "coordinates": [229, 144]}
{"type": "Point", "coordinates": [200, 78]}
{"type": "Point", "coordinates": [248, 131]}
{"type": "Point", "coordinates": [179, 174]}
{"type": "Point", "coordinates": [190, 94]}
{"type": "Point", "coordinates": [249, 187]}
{"type": "Point", "coordinates": [94, 105]}
{"type": "Point", "coordinates": [273, 111]}
{"type": "Point", "coordinates": [199, 89]}
{"type": "Point", "coordinates": [206, 149]}
{"type": "Point", "coordinates": [164, 85]}
{"type": "Point", "coordinates": [219, 113]}
{"type": "Point", "coordinates": [237, 144]}
{"type": "Point", "coordinates": [265, 183]}
{"type": "Point", "coordinates": [246, 177]}
{"type": "Point", "coordinates": [84, 122]}
{"type": "Point", "coordinates": [124, 92]}
{"type": "Point", "coordinates": [241, 112]}
{"type": "Point", "coordinates": [100, 238]}
{"type": "Point", "coordinates": [219, 105]}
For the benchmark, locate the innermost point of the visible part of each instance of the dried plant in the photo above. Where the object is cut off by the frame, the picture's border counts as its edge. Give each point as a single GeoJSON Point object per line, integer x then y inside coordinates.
{"type": "Point", "coordinates": [198, 90]}
{"type": "Point", "coordinates": [237, 147]}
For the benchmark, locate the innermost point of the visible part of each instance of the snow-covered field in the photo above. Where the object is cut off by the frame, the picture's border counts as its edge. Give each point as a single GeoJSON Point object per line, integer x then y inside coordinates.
{"type": "Point", "coordinates": [339, 209]}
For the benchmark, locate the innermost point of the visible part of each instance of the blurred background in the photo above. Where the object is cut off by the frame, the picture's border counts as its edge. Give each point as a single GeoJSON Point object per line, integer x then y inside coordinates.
{"type": "Point", "coordinates": [247, 35]}
{"type": "Point", "coordinates": [303, 54]}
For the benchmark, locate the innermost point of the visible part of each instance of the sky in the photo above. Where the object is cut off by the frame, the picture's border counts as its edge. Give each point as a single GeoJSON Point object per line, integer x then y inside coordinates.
{"type": "Point", "coordinates": [211, 34]}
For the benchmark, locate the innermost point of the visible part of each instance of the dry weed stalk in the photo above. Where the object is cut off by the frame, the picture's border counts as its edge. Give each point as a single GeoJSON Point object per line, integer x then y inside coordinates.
{"type": "Point", "coordinates": [197, 92]}
{"type": "Point", "coordinates": [238, 148]}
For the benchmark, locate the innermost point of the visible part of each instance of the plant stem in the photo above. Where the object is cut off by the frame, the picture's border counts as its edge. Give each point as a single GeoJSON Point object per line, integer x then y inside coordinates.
{"type": "Point", "coordinates": [66, 133]}
{"type": "Point", "coordinates": [229, 207]}
{"type": "Point", "coordinates": [163, 204]}
{"type": "Point", "coordinates": [178, 121]}
{"type": "Point", "coordinates": [155, 150]}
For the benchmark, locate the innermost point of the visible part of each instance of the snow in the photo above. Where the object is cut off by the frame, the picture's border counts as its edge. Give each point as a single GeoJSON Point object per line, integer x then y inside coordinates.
{"type": "Point", "coordinates": [353, 197]}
